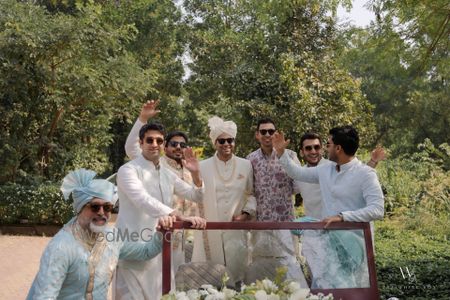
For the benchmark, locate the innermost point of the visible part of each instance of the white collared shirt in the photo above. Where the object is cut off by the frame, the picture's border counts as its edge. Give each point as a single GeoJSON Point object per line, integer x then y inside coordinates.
{"type": "Point", "coordinates": [354, 191]}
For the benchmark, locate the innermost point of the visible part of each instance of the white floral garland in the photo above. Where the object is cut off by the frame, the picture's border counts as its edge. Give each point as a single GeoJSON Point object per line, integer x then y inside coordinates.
{"type": "Point", "coordinates": [261, 290]}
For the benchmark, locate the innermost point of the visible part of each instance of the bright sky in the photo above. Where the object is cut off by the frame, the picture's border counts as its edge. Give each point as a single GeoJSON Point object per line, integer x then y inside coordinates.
{"type": "Point", "coordinates": [359, 15]}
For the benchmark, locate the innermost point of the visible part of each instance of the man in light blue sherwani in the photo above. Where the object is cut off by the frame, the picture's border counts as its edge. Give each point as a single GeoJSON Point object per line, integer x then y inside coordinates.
{"type": "Point", "coordinates": [79, 261]}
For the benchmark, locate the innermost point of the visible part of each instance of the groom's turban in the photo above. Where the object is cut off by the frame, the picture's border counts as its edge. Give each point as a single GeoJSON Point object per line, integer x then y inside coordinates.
{"type": "Point", "coordinates": [219, 126]}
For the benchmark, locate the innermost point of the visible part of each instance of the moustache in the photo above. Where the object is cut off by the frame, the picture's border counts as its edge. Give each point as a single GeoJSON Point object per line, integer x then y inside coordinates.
{"type": "Point", "coordinates": [100, 218]}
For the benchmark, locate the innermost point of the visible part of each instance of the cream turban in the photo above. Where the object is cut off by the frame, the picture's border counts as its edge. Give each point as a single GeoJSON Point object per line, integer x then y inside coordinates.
{"type": "Point", "coordinates": [83, 187]}
{"type": "Point", "coordinates": [218, 126]}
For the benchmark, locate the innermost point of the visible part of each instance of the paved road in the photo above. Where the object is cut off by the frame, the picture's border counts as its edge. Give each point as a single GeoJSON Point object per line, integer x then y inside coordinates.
{"type": "Point", "coordinates": [19, 262]}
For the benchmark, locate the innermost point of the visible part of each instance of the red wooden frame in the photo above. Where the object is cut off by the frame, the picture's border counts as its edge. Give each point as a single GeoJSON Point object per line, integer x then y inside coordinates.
{"type": "Point", "coordinates": [369, 293]}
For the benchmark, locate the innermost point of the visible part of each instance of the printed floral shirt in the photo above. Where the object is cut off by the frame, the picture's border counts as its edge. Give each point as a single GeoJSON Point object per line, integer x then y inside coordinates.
{"type": "Point", "coordinates": [273, 188]}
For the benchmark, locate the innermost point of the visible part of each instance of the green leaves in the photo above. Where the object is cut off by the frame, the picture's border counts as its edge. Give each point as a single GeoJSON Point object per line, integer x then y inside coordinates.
{"type": "Point", "coordinates": [64, 79]}
{"type": "Point", "coordinates": [37, 203]}
{"type": "Point", "coordinates": [256, 59]}
{"type": "Point", "coordinates": [402, 60]}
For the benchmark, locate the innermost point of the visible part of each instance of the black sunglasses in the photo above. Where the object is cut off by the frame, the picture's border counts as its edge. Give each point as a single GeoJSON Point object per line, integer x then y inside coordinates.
{"type": "Point", "coordinates": [310, 147]}
{"type": "Point", "coordinates": [150, 140]}
{"type": "Point", "coordinates": [175, 144]}
{"type": "Point", "coordinates": [228, 140]}
{"type": "Point", "coordinates": [265, 131]}
{"type": "Point", "coordinates": [107, 207]}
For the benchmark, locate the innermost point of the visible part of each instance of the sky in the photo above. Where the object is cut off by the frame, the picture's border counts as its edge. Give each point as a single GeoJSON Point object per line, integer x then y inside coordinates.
{"type": "Point", "coordinates": [359, 15]}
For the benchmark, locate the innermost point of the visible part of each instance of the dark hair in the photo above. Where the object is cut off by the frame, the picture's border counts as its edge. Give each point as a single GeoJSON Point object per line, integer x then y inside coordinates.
{"type": "Point", "coordinates": [347, 137]}
{"type": "Point", "coordinates": [151, 126]}
{"type": "Point", "coordinates": [309, 136]}
{"type": "Point", "coordinates": [175, 133]}
{"type": "Point", "coordinates": [265, 121]}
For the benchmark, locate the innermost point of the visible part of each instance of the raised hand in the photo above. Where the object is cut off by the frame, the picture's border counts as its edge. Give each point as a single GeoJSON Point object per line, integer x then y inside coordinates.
{"type": "Point", "coordinates": [378, 154]}
{"type": "Point", "coordinates": [190, 161]}
{"type": "Point", "coordinates": [279, 143]}
{"type": "Point", "coordinates": [149, 110]}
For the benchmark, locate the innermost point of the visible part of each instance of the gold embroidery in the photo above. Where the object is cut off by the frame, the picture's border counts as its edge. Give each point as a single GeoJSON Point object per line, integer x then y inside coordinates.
{"type": "Point", "coordinates": [180, 204]}
{"type": "Point", "coordinates": [95, 247]}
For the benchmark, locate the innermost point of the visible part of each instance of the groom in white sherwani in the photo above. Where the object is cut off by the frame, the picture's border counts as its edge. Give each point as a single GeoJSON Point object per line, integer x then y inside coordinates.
{"type": "Point", "coordinates": [228, 197]}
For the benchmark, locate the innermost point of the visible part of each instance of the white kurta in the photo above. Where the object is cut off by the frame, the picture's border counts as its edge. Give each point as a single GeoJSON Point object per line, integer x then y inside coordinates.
{"type": "Point", "coordinates": [312, 197]}
{"type": "Point", "coordinates": [186, 207]}
{"type": "Point", "coordinates": [354, 191]}
{"type": "Point", "coordinates": [315, 243]}
{"type": "Point", "coordinates": [228, 192]}
{"type": "Point", "coordinates": [145, 193]}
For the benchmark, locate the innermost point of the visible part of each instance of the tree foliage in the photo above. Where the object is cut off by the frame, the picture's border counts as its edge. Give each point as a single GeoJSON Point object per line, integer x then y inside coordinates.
{"type": "Point", "coordinates": [63, 79]}
{"type": "Point", "coordinates": [403, 62]}
{"type": "Point", "coordinates": [253, 59]}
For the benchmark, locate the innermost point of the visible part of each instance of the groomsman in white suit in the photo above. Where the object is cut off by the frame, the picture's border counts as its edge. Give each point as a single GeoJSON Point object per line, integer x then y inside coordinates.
{"type": "Point", "coordinates": [174, 145]}
{"type": "Point", "coordinates": [146, 189]}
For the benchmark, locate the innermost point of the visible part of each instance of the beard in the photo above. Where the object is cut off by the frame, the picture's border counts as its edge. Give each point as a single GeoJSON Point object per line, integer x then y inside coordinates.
{"type": "Point", "coordinates": [98, 228]}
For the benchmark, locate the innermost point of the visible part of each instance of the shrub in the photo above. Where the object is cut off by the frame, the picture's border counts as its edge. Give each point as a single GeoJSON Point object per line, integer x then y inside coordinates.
{"type": "Point", "coordinates": [39, 204]}
{"type": "Point", "coordinates": [411, 265]}
{"type": "Point", "coordinates": [415, 183]}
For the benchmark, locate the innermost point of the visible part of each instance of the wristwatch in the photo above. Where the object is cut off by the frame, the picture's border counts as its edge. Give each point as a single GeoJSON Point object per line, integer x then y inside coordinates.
{"type": "Point", "coordinates": [342, 216]}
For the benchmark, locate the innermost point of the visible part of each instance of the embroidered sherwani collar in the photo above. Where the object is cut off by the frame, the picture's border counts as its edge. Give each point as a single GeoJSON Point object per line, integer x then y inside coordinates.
{"type": "Point", "coordinates": [221, 162]}
{"type": "Point", "coordinates": [172, 162]}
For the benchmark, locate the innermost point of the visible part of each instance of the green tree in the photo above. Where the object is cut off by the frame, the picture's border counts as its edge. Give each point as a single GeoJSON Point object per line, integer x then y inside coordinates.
{"type": "Point", "coordinates": [158, 46]}
{"type": "Point", "coordinates": [254, 59]}
{"type": "Point", "coordinates": [63, 79]}
{"type": "Point", "coordinates": [403, 62]}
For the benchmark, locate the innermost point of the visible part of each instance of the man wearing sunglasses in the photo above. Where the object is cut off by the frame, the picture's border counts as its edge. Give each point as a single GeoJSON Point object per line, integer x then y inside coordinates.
{"type": "Point", "coordinates": [175, 144]}
{"type": "Point", "coordinates": [350, 190]}
{"type": "Point", "coordinates": [311, 150]}
{"type": "Point", "coordinates": [273, 193]}
{"type": "Point", "coordinates": [79, 261]}
{"type": "Point", "coordinates": [146, 188]}
{"type": "Point", "coordinates": [345, 188]}
{"type": "Point", "coordinates": [228, 197]}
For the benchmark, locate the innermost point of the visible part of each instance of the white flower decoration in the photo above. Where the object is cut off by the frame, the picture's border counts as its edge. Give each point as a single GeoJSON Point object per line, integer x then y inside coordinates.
{"type": "Point", "coordinates": [300, 294]}
{"type": "Point", "coordinates": [269, 286]}
{"type": "Point", "coordinates": [261, 295]}
{"type": "Point", "coordinates": [293, 286]}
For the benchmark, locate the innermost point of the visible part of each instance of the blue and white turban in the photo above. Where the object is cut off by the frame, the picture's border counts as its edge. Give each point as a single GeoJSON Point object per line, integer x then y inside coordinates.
{"type": "Point", "coordinates": [83, 187]}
